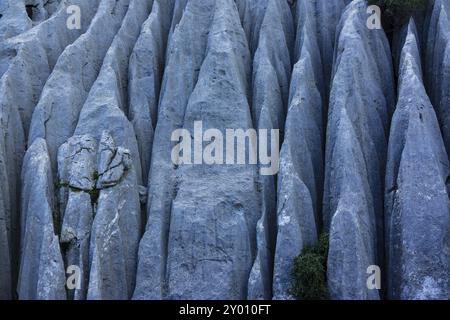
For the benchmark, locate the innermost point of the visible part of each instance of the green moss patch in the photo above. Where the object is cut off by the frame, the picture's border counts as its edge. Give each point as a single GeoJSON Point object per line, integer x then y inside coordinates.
{"type": "Point", "coordinates": [309, 272]}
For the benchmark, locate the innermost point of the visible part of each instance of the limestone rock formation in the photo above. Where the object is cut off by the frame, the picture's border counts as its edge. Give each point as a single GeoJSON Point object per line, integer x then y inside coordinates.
{"type": "Point", "coordinates": [56, 114]}
{"type": "Point", "coordinates": [185, 55]}
{"type": "Point", "coordinates": [135, 149]}
{"type": "Point", "coordinates": [300, 181]}
{"type": "Point", "coordinates": [417, 211]}
{"type": "Point", "coordinates": [41, 274]}
{"type": "Point", "coordinates": [116, 228]}
{"type": "Point", "coordinates": [437, 63]}
{"type": "Point", "coordinates": [26, 62]}
{"type": "Point", "coordinates": [145, 77]}
{"type": "Point", "coordinates": [361, 102]}
{"type": "Point", "coordinates": [14, 18]}
{"type": "Point", "coordinates": [271, 73]}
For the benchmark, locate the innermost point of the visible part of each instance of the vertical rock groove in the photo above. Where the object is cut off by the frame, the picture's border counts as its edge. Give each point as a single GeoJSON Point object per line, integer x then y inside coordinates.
{"type": "Point", "coordinates": [193, 149]}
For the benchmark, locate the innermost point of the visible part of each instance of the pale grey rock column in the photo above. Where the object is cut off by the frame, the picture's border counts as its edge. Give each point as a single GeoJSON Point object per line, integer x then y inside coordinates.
{"type": "Point", "coordinates": [361, 102]}
{"type": "Point", "coordinates": [437, 64]}
{"type": "Point", "coordinates": [116, 228]}
{"type": "Point", "coordinates": [145, 76]}
{"type": "Point", "coordinates": [42, 274]}
{"type": "Point", "coordinates": [417, 201]}
{"type": "Point", "coordinates": [77, 183]}
{"type": "Point", "coordinates": [26, 62]}
{"type": "Point", "coordinates": [212, 235]}
{"type": "Point", "coordinates": [185, 54]}
{"type": "Point", "coordinates": [300, 180]}
{"type": "Point", "coordinates": [271, 75]}
{"type": "Point", "coordinates": [56, 114]}
{"type": "Point", "coordinates": [252, 13]}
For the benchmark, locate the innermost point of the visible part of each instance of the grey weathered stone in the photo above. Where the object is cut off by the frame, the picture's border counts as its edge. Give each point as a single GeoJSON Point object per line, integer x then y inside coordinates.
{"type": "Point", "coordinates": [112, 167]}
{"type": "Point", "coordinates": [116, 228]}
{"type": "Point", "coordinates": [26, 61]}
{"type": "Point", "coordinates": [108, 98]}
{"type": "Point", "coordinates": [37, 52]}
{"type": "Point", "coordinates": [300, 171]}
{"type": "Point", "coordinates": [145, 76]}
{"type": "Point", "coordinates": [76, 168]}
{"type": "Point", "coordinates": [82, 164]}
{"type": "Point", "coordinates": [222, 234]}
{"type": "Point", "coordinates": [41, 274]}
{"type": "Point", "coordinates": [41, 10]}
{"type": "Point", "coordinates": [314, 13]}
{"type": "Point", "coordinates": [417, 202]}
{"type": "Point", "coordinates": [5, 247]}
{"type": "Point", "coordinates": [271, 74]}
{"type": "Point", "coordinates": [56, 115]}
{"type": "Point", "coordinates": [185, 55]}
{"type": "Point", "coordinates": [97, 107]}
{"type": "Point", "coordinates": [300, 180]}
{"type": "Point", "coordinates": [252, 13]}
{"type": "Point", "coordinates": [437, 64]}
{"type": "Point", "coordinates": [13, 18]}
{"type": "Point", "coordinates": [361, 103]}
{"type": "Point", "coordinates": [17, 16]}
{"type": "Point", "coordinates": [75, 235]}
{"type": "Point", "coordinates": [77, 182]}
{"type": "Point", "coordinates": [101, 183]}
{"type": "Point", "coordinates": [222, 71]}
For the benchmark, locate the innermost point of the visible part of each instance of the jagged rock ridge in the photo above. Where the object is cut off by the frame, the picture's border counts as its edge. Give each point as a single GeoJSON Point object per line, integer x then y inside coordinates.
{"type": "Point", "coordinates": [87, 159]}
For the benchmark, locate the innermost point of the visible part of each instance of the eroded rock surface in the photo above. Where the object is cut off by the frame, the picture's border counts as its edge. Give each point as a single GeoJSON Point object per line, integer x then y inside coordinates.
{"type": "Point", "coordinates": [41, 274]}
{"type": "Point", "coordinates": [93, 181]}
{"type": "Point", "coordinates": [417, 211]}
{"type": "Point", "coordinates": [361, 102]}
{"type": "Point", "coordinates": [437, 63]}
{"type": "Point", "coordinates": [300, 181]}
{"type": "Point", "coordinates": [26, 62]}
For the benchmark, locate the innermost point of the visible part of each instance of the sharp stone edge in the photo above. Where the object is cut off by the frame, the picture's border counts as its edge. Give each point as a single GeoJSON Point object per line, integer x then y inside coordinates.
{"type": "Point", "coordinates": [437, 63]}
{"type": "Point", "coordinates": [86, 119]}
{"type": "Point", "coordinates": [42, 274]}
{"type": "Point", "coordinates": [27, 61]}
{"type": "Point", "coordinates": [271, 74]}
{"type": "Point", "coordinates": [416, 192]}
{"type": "Point", "coordinates": [14, 19]}
{"type": "Point", "coordinates": [145, 72]}
{"type": "Point", "coordinates": [301, 160]}
{"type": "Point", "coordinates": [361, 101]}
{"type": "Point", "coordinates": [20, 15]}
{"type": "Point", "coordinates": [116, 227]}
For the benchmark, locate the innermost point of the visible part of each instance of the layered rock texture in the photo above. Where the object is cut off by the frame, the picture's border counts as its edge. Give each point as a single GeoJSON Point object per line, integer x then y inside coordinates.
{"type": "Point", "coordinates": [121, 178]}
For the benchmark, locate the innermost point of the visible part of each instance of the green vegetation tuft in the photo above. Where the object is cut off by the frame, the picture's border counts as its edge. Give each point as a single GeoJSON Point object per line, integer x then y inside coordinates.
{"type": "Point", "coordinates": [309, 272]}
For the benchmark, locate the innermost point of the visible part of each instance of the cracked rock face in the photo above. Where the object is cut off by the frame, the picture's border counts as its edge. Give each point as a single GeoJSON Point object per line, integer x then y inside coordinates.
{"type": "Point", "coordinates": [97, 202]}
{"type": "Point", "coordinates": [361, 102]}
{"type": "Point", "coordinates": [300, 181]}
{"type": "Point", "coordinates": [101, 219]}
{"type": "Point", "coordinates": [417, 211]}
{"type": "Point", "coordinates": [437, 64]}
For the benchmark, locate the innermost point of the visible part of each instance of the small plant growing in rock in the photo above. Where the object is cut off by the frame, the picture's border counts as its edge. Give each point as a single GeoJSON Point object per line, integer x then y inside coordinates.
{"type": "Point", "coordinates": [309, 272]}
{"type": "Point", "coordinates": [395, 13]}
